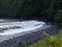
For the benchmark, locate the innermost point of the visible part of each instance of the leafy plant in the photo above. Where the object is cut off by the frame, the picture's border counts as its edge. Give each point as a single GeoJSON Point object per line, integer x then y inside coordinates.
{"type": "Point", "coordinates": [53, 41]}
{"type": "Point", "coordinates": [58, 16]}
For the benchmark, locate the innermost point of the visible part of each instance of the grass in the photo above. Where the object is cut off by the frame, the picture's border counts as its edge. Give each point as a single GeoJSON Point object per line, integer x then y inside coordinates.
{"type": "Point", "coordinates": [43, 42]}
{"type": "Point", "coordinates": [40, 43]}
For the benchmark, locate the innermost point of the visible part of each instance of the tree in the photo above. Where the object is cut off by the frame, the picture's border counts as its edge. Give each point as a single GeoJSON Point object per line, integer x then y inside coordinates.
{"type": "Point", "coordinates": [58, 16]}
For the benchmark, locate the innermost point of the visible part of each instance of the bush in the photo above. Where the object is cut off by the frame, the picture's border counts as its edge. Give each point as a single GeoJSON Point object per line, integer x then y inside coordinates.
{"type": "Point", "coordinates": [58, 16]}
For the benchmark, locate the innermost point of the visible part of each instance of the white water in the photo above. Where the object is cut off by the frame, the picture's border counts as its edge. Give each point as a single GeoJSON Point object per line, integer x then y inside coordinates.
{"type": "Point", "coordinates": [24, 26]}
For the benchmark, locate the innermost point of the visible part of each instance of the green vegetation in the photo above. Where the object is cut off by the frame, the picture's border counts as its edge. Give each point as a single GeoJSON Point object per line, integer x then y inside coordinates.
{"type": "Point", "coordinates": [51, 10]}
{"type": "Point", "coordinates": [58, 16]}
{"type": "Point", "coordinates": [55, 41]}
{"type": "Point", "coordinates": [40, 43]}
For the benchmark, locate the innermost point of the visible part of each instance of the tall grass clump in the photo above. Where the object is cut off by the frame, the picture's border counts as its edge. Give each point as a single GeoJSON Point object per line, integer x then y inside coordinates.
{"type": "Point", "coordinates": [52, 40]}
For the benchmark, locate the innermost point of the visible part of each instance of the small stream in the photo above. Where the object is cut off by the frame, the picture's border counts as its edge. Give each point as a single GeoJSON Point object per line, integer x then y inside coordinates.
{"type": "Point", "coordinates": [23, 26]}
{"type": "Point", "coordinates": [14, 32]}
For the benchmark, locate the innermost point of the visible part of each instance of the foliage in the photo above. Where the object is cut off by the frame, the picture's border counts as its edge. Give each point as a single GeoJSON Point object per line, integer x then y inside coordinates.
{"type": "Point", "coordinates": [58, 16]}
{"type": "Point", "coordinates": [52, 41]}
{"type": "Point", "coordinates": [22, 7]}
{"type": "Point", "coordinates": [40, 43]}
{"type": "Point", "coordinates": [41, 9]}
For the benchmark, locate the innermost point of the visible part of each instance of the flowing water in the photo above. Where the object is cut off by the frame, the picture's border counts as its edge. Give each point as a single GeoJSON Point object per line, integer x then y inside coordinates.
{"type": "Point", "coordinates": [8, 28]}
